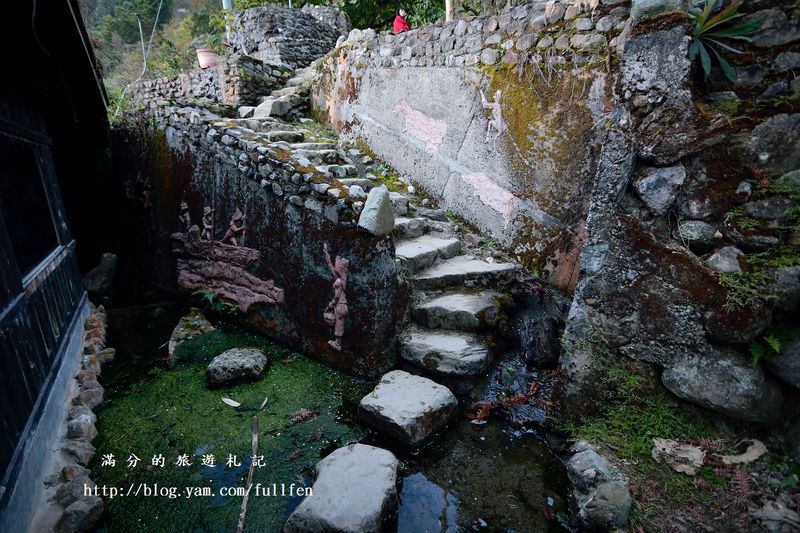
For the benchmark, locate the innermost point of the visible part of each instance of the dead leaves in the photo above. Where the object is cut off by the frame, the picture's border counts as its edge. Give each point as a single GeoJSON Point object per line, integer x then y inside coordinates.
{"type": "Point", "coordinates": [301, 415]}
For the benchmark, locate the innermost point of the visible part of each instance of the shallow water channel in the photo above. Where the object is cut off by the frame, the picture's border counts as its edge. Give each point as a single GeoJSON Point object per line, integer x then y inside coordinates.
{"type": "Point", "coordinates": [470, 477]}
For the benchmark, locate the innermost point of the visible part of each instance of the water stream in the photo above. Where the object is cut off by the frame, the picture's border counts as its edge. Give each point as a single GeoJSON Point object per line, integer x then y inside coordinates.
{"type": "Point", "coordinates": [470, 477]}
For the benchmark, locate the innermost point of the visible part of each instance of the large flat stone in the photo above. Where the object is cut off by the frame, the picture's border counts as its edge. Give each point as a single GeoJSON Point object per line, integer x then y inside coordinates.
{"type": "Point", "coordinates": [444, 353]}
{"type": "Point", "coordinates": [407, 407]}
{"type": "Point", "coordinates": [464, 269]}
{"type": "Point", "coordinates": [459, 311]}
{"type": "Point", "coordinates": [410, 228]}
{"type": "Point", "coordinates": [355, 490]}
{"type": "Point", "coordinates": [423, 251]}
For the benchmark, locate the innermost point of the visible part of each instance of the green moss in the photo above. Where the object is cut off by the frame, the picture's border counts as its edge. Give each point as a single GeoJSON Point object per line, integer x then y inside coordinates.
{"type": "Point", "coordinates": [779, 256]}
{"type": "Point", "coordinates": [745, 289]}
{"type": "Point", "coordinates": [171, 412]}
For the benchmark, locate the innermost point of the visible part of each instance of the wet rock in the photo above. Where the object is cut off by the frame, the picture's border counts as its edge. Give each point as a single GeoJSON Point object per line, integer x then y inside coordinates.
{"type": "Point", "coordinates": [785, 286]}
{"type": "Point", "coordinates": [751, 240]}
{"type": "Point", "coordinates": [696, 234]}
{"type": "Point", "coordinates": [658, 186]}
{"type": "Point", "coordinates": [786, 366]}
{"type": "Point", "coordinates": [725, 382]}
{"type": "Point", "coordinates": [460, 311]}
{"type": "Point", "coordinates": [786, 61]}
{"type": "Point", "coordinates": [600, 492]}
{"type": "Point", "coordinates": [444, 353]}
{"type": "Point", "coordinates": [774, 145]}
{"type": "Point", "coordinates": [235, 366]}
{"type": "Point", "coordinates": [81, 515]}
{"type": "Point", "coordinates": [738, 326]}
{"type": "Point", "coordinates": [377, 216]}
{"type": "Point", "coordinates": [99, 279]}
{"type": "Point", "coordinates": [407, 407]}
{"type": "Point", "coordinates": [725, 260]}
{"type": "Point", "coordinates": [355, 490]}
{"type": "Point", "coordinates": [190, 325]}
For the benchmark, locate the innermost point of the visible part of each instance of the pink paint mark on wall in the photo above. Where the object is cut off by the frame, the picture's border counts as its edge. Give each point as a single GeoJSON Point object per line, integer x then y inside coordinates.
{"type": "Point", "coordinates": [492, 194]}
{"type": "Point", "coordinates": [422, 127]}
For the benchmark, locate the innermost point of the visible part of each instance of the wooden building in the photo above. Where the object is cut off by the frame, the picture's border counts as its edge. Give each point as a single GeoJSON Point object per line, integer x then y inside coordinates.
{"type": "Point", "coordinates": [52, 127]}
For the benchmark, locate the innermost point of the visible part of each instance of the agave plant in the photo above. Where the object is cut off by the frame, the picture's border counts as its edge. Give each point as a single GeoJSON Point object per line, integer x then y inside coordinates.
{"type": "Point", "coordinates": [712, 27]}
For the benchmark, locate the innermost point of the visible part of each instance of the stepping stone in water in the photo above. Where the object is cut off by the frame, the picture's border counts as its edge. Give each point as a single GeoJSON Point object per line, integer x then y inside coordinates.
{"type": "Point", "coordinates": [407, 407]}
{"type": "Point", "coordinates": [460, 311]}
{"type": "Point", "coordinates": [355, 490]}
{"type": "Point", "coordinates": [444, 353]}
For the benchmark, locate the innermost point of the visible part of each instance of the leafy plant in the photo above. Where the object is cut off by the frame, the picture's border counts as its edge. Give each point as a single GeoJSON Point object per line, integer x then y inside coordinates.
{"type": "Point", "coordinates": [711, 27]}
{"type": "Point", "coordinates": [215, 302]}
{"type": "Point", "coordinates": [738, 218]}
{"type": "Point", "coordinates": [770, 344]}
{"type": "Point", "coordinates": [745, 289]}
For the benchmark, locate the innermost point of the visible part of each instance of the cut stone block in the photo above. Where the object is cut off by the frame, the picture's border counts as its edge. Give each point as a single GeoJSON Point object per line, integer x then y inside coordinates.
{"type": "Point", "coordinates": [444, 353]}
{"type": "Point", "coordinates": [407, 407]}
{"type": "Point", "coordinates": [423, 251]}
{"type": "Point", "coordinates": [464, 268]}
{"type": "Point", "coordinates": [459, 311]}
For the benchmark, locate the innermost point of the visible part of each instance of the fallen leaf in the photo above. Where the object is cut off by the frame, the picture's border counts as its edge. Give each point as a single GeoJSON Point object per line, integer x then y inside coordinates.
{"type": "Point", "coordinates": [301, 415]}
{"type": "Point", "coordinates": [263, 404]}
{"type": "Point", "coordinates": [754, 450]}
{"type": "Point", "coordinates": [232, 403]}
{"type": "Point", "coordinates": [683, 458]}
{"type": "Point", "coordinates": [295, 455]}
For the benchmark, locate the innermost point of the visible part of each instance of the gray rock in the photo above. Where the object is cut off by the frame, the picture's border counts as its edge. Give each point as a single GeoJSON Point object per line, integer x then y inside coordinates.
{"type": "Point", "coordinates": [587, 468]}
{"type": "Point", "coordinates": [444, 353]}
{"type": "Point", "coordinates": [609, 507]}
{"type": "Point", "coordinates": [725, 382]}
{"type": "Point", "coordinates": [600, 492]}
{"type": "Point", "coordinates": [71, 491]}
{"type": "Point", "coordinates": [236, 365]}
{"type": "Point", "coordinates": [275, 107]}
{"type": "Point", "coordinates": [246, 111]}
{"type": "Point", "coordinates": [489, 56]}
{"type": "Point", "coordinates": [407, 407]}
{"type": "Point", "coordinates": [81, 515]}
{"type": "Point", "coordinates": [774, 145]}
{"type": "Point", "coordinates": [695, 233]}
{"type": "Point", "coordinates": [399, 204]}
{"type": "Point", "coordinates": [785, 286]}
{"type": "Point", "coordinates": [82, 451]}
{"type": "Point", "coordinates": [377, 216]}
{"type": "Point", "coordinates": [464, 269]}
{"type": "Point", "coordinates": [739, 326]}
{"type": "Point", "coordinates": [772, 208]}
{"type": "Point", "coordinates": [786, 61]}
{"type": "Point", "coordinates": [423, 251]}
{"type": "Point", "coordinates": [583, 24]}
{"type": "Point", "coordinates": [658, 186]}
{"type": "Point", "coordinates": [725, 260]}
{"type": "Point", "coordinates": [751, 241]}
{"type": "Point", "coordinates": [786, 366]}
{"type": "Point", "coordinates": [81, 427]}
{"type": "Point", "coordinates": [644, 9]}
{"type": "Point", "coordinates": [355, 490]}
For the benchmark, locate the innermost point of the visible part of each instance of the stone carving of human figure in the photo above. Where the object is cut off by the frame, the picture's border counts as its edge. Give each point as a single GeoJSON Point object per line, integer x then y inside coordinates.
{"type": "Point", "coordinates": [496, 123]}
{"type": "Point", "coordinates": [208, 224]}
{"type": "Point", "coordinates": [336, 311]}
{"type": "Point", "coordinates": [236, 230]}
{"type": "Point", "coordinates": [184, 219]}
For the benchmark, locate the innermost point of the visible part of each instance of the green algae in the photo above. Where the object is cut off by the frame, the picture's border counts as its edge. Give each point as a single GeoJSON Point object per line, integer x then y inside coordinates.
{"type": "Point", "coordinates": [171, 412]}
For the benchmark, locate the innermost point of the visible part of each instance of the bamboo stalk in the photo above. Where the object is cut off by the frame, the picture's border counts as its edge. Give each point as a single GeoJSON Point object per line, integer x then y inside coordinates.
{"type": "Point", "coordinates": [254, 440]}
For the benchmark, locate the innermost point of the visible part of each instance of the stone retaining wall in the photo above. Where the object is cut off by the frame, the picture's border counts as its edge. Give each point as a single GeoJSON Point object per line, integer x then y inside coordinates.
{"type": "Point", "coordinates": [279, 280]}
{"type": "Point", "coordinates": [495, 116]}
{"type": "Point", "coordinates": [237, 80]}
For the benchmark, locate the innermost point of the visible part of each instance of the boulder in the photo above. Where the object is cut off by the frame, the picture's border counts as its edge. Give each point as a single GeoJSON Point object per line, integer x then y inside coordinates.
{"type": "Point", "coordinates": [785, 286]}
{"type": "Point", "coordinates": [658, 186]}
{"type": "Point", "coordinates": [738, 326]}
{"type": "Point", "coordinates": [355, 490]}
{"type": "Point", "coordinates": [725, 382]}
{"type": "Point", "coordinates": [377, 216]}
{"type": "Point", "coordinates": [235, 366]}
{"type": "Point", "coordinates": [725, 260]}
{"type": "Point", "coordinates": [407, 407]}
{"type": "Point", "coordinates": [786, 366]}
{"type": "Point", "coordinates": [192, 324]}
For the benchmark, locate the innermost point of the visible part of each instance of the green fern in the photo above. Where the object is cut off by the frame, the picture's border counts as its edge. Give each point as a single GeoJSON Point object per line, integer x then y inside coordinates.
{"type": "Point", "coordinates": [712, 27]}
{"type": "Point", "coordinates": [770, 344]}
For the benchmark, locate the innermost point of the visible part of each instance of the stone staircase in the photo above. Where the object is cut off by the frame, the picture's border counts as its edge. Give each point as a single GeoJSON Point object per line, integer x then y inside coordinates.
{"type": "Point", "coordinates": [457, 292]}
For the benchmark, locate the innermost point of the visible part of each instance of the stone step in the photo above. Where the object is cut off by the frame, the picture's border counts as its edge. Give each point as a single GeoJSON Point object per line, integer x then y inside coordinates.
{"type": "Point", "coordinates": [406, 407]}
{"type": "Point", "coordinates": [464, 270]}
{"type": "Point", "coordinates": [422, 252]}
{"type": "Point", "coordinates": [313, 146]}
{"type": "Point", "coordinates": [285, 135]}
{"type": "Point", "coordinates": [444, 353]}
{"type": "Point", "coordinates": [409, 228]}
{"type": "Point", "coordinates": [318, 157]}
{"type": "Point", "coordinates": [276, 107]}
{"type": "Point", "coordinates": [364, 183]}
{"type": "Point", "coordinates": [460, 311]}
{"type": "Point", "coordinates": [355, 489]}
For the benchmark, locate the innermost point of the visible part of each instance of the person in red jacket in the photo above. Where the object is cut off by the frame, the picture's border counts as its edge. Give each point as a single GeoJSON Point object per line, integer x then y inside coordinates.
{"type": "Point", "coordinates": [400, 24]}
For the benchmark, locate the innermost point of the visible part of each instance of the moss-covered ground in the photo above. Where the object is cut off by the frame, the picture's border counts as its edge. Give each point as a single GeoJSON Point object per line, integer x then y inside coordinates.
{"type": "Point", "coordinates": [171, 412]}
